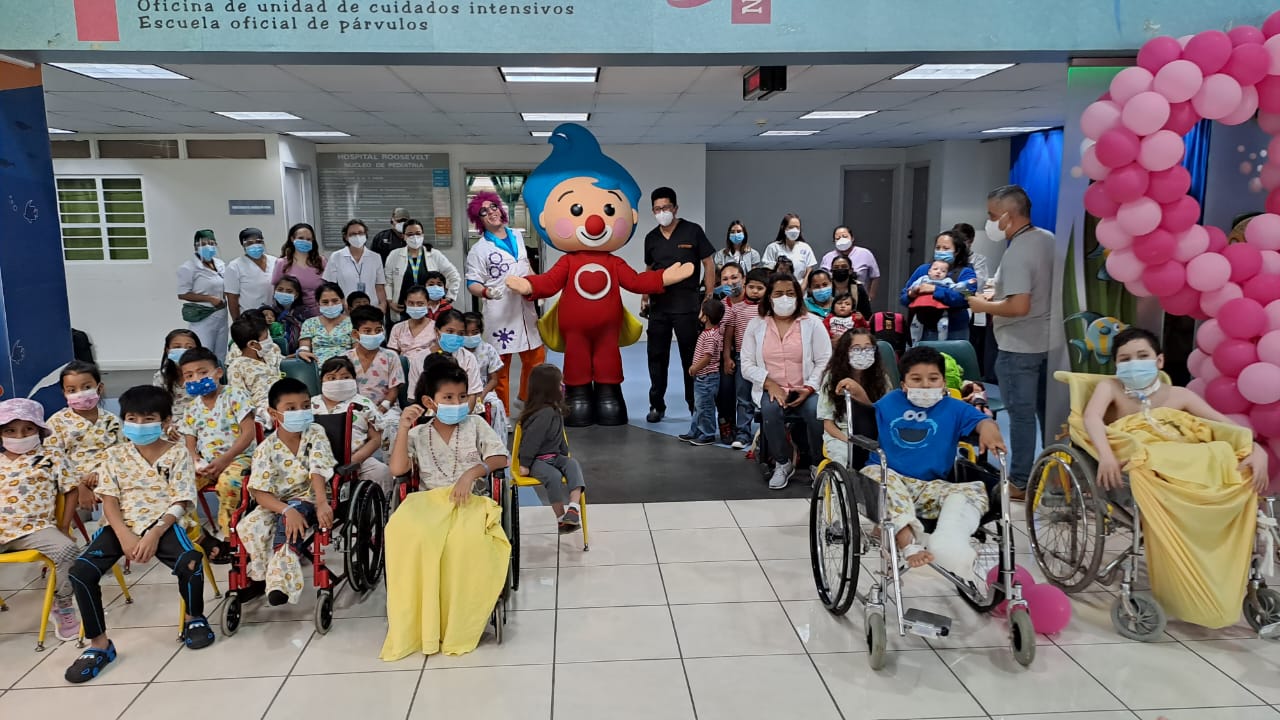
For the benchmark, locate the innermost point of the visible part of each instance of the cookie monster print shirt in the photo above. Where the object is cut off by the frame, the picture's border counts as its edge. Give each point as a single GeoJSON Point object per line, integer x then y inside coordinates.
{"type": "Point", "coordinates": [921, 443]}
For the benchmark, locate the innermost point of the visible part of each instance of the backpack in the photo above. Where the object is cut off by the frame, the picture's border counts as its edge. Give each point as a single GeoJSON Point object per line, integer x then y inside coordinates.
{"type": "Point", "coordinates": [81, 346]}
{"type": "Point", "coordinates": [891, 327]}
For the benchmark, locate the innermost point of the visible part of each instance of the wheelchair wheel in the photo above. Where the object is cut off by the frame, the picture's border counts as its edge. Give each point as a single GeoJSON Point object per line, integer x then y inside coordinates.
{"type": "Point", "coordinates": [877, 639]}
{"type": "Point", "coordinates": [231, 614]}
{"type": "Point", "coordinates": [514, 505]}
{"type": "Point", "coordinates": [324, 611]}
{"type": "Point", "coordinates": [834, 538]}
{"type": "Point", "coordinates": [1144, 621]}
{"type": "Point", "coordinates": [362, 537]}
{"type": "Point", "coordinates": [1262, 608]}
{"type": "Point", "coordinates": [1065, 517]}
{"type": "Point", "coordinates": [1022, 637]}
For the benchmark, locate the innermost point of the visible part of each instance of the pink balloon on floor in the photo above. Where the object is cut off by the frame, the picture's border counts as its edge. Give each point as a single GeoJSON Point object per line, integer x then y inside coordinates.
{"type": "Point", "coordinates": [1260, 383]}
{"type": "Point", "coordinates": [1234, 355]}
{"type": "Point", "coordinates": [1225, 397]}
{"type": "Point", "coordinates": [1209, 336]}
{"type": "Point", "coordinates": [1179, 81]}
{"type": "Point", "coordinates": [1208, 272]}
{"type": "Point", "coordinates": [1243, 319]}
{"type": "Point", "coordinates": [1191, 244]}
{"type": "Point", "coordinates": [1050, 608]}
{"type": "Point", "coordinates": [1263, 232]}
{"type": "Point", "coordinates": [1245, 259]}
{"type": "Point", "coordinates": [1021, 576]}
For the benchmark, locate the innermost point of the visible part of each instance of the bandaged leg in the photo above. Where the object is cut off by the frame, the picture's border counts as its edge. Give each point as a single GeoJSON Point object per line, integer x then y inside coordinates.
{"type": "Point", "coordinates": [950, 541]}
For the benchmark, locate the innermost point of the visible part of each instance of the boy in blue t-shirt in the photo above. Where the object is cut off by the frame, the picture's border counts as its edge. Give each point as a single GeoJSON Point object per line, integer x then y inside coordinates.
{"type": "Point", "coordinates": [920, 427]}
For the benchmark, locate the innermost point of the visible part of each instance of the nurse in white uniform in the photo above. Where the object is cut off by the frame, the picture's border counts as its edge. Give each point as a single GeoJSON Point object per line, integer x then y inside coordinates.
{"type": "Point", "coordinates": [510, 321]}
{"type": "Point", "coordinates": [354, 267]}
{"type": "Point", "coordinates": [201, 288]}
{"type": "Point", "coordinates": [248, 277]}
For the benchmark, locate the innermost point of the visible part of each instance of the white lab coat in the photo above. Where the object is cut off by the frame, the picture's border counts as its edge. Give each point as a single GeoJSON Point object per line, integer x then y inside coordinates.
{"type": "Point", "coordinates": [195, 277]}
{"type": "Point", "coordinates": [351, 275]}
{"type": "Point", "coordinates": [245, 279]}
{"type": "Point", "coordinates": [398, 264]}
{"type": "Point", "coordinates": [510, 322]}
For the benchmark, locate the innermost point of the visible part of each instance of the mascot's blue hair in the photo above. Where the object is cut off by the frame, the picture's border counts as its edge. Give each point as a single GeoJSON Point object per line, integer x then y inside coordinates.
{"type": "Point", "coordinates": [575, 152]}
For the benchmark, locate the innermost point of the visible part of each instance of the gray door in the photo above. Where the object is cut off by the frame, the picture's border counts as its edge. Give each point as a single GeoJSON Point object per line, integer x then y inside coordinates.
{"type": "Point", "coordinates": [919, 248]}
{"type": "Point", "coordinates": [297, 195]}
{"type": "Point", "coordinates": [868, 211]}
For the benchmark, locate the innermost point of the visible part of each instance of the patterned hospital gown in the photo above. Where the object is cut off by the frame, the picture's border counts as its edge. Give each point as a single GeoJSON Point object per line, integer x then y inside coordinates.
{"type": "Point", "coordinates": [146, 491]}
{"type": "Point", "coordinates": [440, 464]}
{"type": "Point", "coordinates": [287, 476]}
{"type": "Point", "coordinates": [85, 443]}
{"type": "Point", "coordinates": [29, 489]}
{"type": "Point", "coordinates": [365, 416]}
{"type": "Point", "coordinates": [216, 428]}
{"type": "Point", "coordinates": [327, 343]}
{"type": "Point", "coordinates": [384, 372]}
{"type": "Point", "coordinates": [252, 377]}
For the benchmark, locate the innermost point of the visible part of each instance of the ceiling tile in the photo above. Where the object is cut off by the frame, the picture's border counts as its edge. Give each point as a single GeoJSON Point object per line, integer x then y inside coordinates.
{"type": "Point", "coordinates": [451, 80]}
{"type": "Point", "coordinates": [248, 78]}
{"type": "Point", "coordinates": [398, 102]}
{"type": "Point", "coordinates": [840, 78]}
{"type": "Point", "coordinates": [464, 102]}
{"type": "Point", "coordinates": [648, 79]}
{"type": "Point", "coordinates": [1019, 77]}
{"type": "Point", "coordinates": [366, 78]}
{"type": "Point", "coordinates": [614, 102]}
{"type": "Point", "coordinates": [298, 103]}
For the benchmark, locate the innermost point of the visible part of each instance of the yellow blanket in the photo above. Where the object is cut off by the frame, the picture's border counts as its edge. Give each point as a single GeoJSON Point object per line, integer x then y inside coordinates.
{"type": "Point", "coordinates": [1198, 511]}
{"type": "Point", "coordinates": [445, 570]}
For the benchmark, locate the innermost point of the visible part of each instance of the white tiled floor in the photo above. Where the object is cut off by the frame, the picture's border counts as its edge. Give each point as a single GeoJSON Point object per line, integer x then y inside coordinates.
{"type": "Point", "coordinates": [680, 611]}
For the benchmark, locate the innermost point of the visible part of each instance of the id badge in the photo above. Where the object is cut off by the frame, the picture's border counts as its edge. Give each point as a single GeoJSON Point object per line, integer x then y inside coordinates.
{"type": "Point", "coordinates": [360, 287]}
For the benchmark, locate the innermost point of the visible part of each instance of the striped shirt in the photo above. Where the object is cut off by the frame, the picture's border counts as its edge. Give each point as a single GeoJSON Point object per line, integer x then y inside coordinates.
{"type": "Point", "coordinates": [710, 344]}
{"type": "Point", "coordinates": [736, 316]}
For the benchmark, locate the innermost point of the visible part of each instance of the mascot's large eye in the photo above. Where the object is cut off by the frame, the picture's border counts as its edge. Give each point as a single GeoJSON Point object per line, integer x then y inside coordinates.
{"type": "Point", "coordinates": [576, 210]}
{"type": "Point", "coordinates": [610, 210]}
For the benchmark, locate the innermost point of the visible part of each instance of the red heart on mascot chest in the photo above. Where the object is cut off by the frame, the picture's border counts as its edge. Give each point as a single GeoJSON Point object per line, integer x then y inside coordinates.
{"type": "Point", "coordinates": [593, 282]}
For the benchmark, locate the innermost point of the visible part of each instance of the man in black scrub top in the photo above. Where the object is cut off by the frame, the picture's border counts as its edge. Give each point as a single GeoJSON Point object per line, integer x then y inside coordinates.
{"type": "Point", "coordinates": [676, 310]}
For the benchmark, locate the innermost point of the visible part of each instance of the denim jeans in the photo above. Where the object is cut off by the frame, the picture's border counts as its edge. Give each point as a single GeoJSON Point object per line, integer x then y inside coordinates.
{"type": "Point", "coordinates": [1022, 378]}
{"type": "Point", "coordinates": [774, 419]}
{"type": "Point", "coordinates": [705, 388]}
{"type": "Point", "coordinates": [746, 407]}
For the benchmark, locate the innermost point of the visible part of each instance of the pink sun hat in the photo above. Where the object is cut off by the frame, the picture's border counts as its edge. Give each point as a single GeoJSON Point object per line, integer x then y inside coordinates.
{"type": "Point", "coordinates": [24, 409]}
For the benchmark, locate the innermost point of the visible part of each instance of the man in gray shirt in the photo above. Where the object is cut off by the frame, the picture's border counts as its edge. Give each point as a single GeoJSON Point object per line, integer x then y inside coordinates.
{"type": "Point", "coordinates": [1020, 309]}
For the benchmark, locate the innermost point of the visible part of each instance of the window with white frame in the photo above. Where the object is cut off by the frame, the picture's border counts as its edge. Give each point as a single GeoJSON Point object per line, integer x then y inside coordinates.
{"type": "Point", "coordinates": [103, 219]}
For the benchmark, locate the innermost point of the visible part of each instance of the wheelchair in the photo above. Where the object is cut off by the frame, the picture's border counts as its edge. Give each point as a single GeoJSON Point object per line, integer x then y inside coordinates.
{"type": "Point", "coordinates": [1081, 534]}
{"type": "Point", "coordinates": [846, 523]}
{"type": "Point", "coordinates": [357, 533]}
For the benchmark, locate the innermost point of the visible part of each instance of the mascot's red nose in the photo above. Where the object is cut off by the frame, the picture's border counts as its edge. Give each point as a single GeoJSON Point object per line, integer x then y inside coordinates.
{"type": "Point", "coordinates": [595, 225]}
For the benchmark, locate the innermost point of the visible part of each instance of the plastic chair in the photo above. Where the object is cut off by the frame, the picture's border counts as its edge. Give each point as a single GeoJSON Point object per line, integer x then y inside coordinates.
{"type": "Point", "coordinates": [889, 359]}
{"type": "Point", "coordinates": [526, 481]}
{"type": "Point", "coordinates": [302, 370]}
{"type": "Point", "coordinates": [404, 386]}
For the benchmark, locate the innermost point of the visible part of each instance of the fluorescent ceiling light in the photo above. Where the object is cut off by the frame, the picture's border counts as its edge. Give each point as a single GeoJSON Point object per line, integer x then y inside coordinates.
{"type": "Point", "coordinates": [540, 133]}
{"type": "Point", "coordinates": [788, 133]}
{"type": "Point", "coordinates": [109, 71]}
{"type": "Point", "coordinates": [555, 117]}
{"type": "Point", "coordinates": [550, 74]}
{"type": "Point", "coordinates": [318, 133]}
{"type": "Point", "coordinates": [838, 114]}
{"type": "Point", "coordinates": [1015, 129]}
{"type": "Point", "coordinates": [950, 72]}
{"type": "Point", "coordinates": [60, 131]}
{"type": "Point", "coordinates": [259, 115]}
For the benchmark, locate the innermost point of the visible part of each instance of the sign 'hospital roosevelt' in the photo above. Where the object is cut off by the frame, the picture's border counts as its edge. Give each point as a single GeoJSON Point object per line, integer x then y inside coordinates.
{"type": "Point", "coordinates": [324, 29]}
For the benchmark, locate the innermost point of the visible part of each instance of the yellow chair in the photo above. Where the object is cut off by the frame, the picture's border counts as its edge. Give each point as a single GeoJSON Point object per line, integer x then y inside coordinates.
{"type": "Point", "coordinates": [525, 481]}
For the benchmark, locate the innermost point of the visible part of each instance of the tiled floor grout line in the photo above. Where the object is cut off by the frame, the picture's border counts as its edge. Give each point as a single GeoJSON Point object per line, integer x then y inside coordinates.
{"type": "Point", "coordinates": [1215, 667]}
{"type": "Point", "coordinates": [555, 632]}
{"type": "Point", "coordinates": [276, 696]}
{"type": "Point", "coordinates": [675, 632]}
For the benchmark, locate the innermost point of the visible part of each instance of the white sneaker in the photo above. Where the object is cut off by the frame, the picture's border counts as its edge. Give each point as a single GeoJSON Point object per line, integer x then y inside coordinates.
{"type": "Point", "coordinates": [781, 476]}
{"type": "Point", "coordinates": [66, 626]}
{"type": "Point", "coordinates": [738, 445]}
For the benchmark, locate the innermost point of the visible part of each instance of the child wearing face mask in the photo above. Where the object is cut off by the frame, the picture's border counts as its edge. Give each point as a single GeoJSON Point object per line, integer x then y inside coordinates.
{"type": "Point", "coordinates": [731, 290]}
{"type": "Point", "coordinates": [288, 307]}
{"type": "Point", "coordinates": [83, 429]}
{"type": "Point", "coordinates": [490, 364]}
{"type": "Point", "coordinates": [818, 300]}
{"type": "Point", "coordinates": [339, 393]}
{"type": "Point", "coordinates": [329, 333]}
{"type": "Point", "coordinates": [415, 334]}
{"type": "Point", "coordinates": [705, 372]}
{"type": "Point", "coordinates": [920, 427]}
{"type": "Point", "coordinates": [34, 474]}
{"type": "Point", "coordinates": [379, 374]}
{"type": "Point", "coordinates": [437, 297]}
{"type": "Point", "coordinates": [855, 368]}
{"type": "Point", "coordinates": [291, 471]}
{"type": "Point", "coordinates": [257, 365]}
{"type": "Point", "coordinates": [450, 340]}
{"type": "Point", "coordinates": [169, 376]}
{"type": "Point", "coordinates": [219, 432]}
{"type": "Point", "coordinates": [737, 314]}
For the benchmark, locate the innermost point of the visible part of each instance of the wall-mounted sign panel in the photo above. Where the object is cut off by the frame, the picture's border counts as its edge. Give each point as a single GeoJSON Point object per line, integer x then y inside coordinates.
{"type": "Point", "coordinates": [370, 186]}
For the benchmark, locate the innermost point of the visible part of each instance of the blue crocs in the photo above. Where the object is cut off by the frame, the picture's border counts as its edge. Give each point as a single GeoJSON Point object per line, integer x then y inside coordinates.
{"type": "Point", "coordinates": [90, 663]}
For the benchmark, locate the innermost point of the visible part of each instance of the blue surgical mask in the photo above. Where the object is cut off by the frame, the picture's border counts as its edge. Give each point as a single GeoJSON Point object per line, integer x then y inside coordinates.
{"type": "Point", "coordinates": [729, 290]}
{"type": "Point", "coordinates": [284, 299]}
{"type": "Point", "coordinates": [417, 313]}
{"type": "Point", "coordinates": [435, 293]}
{"type": "Point", "coordinates": [201, 387]}
{"type": "Point", "coordinates": [1137, 374]}
{"type": "Point", "coordinates": [142, 433]}
{"type": "Point", "coordinates": [331, 311]}
{"type": "Point", "coordinates": [452, 414]}
{"type": "Point", "coordinates": [471, 342]}
{"type": "Point", "coordinates": [175, 355]}
{"type": "Point", "coordinates": [208, 252]}
{"type": "Point", "coordinates": [303, 246]}
{"type": "Point", "coordinates": [736, 238]}
{"type": "Point", "coordinates": [822, 294]}
{"type": "Point", "coordinates": [297, 420]}
{"type": "Point", "coordinates": [255, 250]}
{"type": "Point", "coordinates": [945, 256]}
{"type": "Point", "coordinates": [371, 342]}
{"type": "Point", "coordinates": [451, 343]}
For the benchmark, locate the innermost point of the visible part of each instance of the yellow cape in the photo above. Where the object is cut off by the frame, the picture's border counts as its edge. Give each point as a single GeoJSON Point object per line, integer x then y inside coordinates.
{"type": "Point", "coordinates": [549, 329]}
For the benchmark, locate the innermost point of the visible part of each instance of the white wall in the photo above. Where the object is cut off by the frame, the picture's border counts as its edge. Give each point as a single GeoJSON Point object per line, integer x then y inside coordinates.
{"type": "Point", "coordinates": [970, 170]}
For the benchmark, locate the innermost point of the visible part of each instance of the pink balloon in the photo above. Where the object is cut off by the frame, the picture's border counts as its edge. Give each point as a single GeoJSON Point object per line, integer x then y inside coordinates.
{"type": "Point", "coordinates": [1217, 238]}
{"type": "Point", "coordinates": [1218, 96]}
{"type": "Point", "coordinates": [1195, 359]}
{"type": "Point", "coordinates": [1208, 272]}
{"type": "Point", "coordinates": [1224, 395]}
{"type": "Point", "coordinates": [1110, 236]}
{"type": "Point", "coordinates": [1273, 316]}
{"type": "Point", "coordinates": [1126, 184]}
{"type": "Point", "coordinates": [1184, 302]}
{"type": "Point", "coordinates": [1269, 122]}
{"type": "Point", "coordinates": [1245, 259]}
{"type": "Point", "coordinates": [1155, 247]}
{"type": "Point", "coordinates": [1212, 301]}
{"type": "Point", "coordinates": [1269, 94]}
{"type": "Point", "coordinates": [1099, 117]}
{"type": "Point", "coordinates": [1099, 202]}
{"type": "Point", "coordinates": [1241, 420]}
{"type": "Point", "coordinates": [1248, 64]}
{"type": "Point", "coordinates": [1210, 50]}
{"type": "Point", "coordinates": [1179, 215]}
{"type": "Point", "coordinates": [1271, 26]}
{"type": "Point", "coordinates": [1118, 146]}
{"type": "Point", "coordinates": [1123, 267]}
{"type": "Point", "coordinates": [1234, 355]}
{"type": "Point", "coordinates": [1242, 319]}
{"type": "Point", "coordinates": [1263, 287]}
{"type": "Point", "coordinates": [1271, 262]}
{"type": "Point", "coordinates": [1190, 245]}
{"type": "Point", "coordinates": [1137, 288]}
{"type": "Point", "coordinates": [1093, 168]}
{"type": "Point", "coordinates": [1273, 55]}
{"type": "Point", "coordinates": [1266, 419]}
{"type": "Point", "coordinates": [1050, 608]}
{"type": "Point", "coordinates": [1269, 347]}
{"type": "Point", "coordinates": [1140, 216]}
{"type": "Point", "coordinates": [1159, 52]}
{"type": "Point", "coordinates": [1245, 34]}
{"type": "Point", "coordinates": [1182, 117]}
{"type": "Point", "coordinates": [1164, 279]}
{"type": "Point", "coordinates": [1245, 111]}
{"type": "Point", "coordinates": [1272, 203]}
{"type": "Point", "coordinates": [1263, 232]}
{"type": "Point", "coordinates": [1198, 386]}
{"type": "Point", "coordinates": [1270, 176]}
{"type": "Point", "coordinates": [1168, 185]}
{"type": "Point", "coordinates": [1260, 383]}
{"type": "Point", "coordinates": [1130, 82]}
{"type": "Point", "coordinates": [1209, 373]}
{"type": "Point", "coordinates": [1157, 152]}
{"type": "Point", "coordinates": [1145, 113]}
{"type": "Point", "coordinates": [1179, 81]}
{"type": "Point", "coordinates": [1021, 575]}
{"type": "Point", "coordinates": [1209, 336]}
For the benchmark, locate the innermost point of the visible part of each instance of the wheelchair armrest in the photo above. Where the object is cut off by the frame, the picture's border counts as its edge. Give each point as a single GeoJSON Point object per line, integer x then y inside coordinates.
{"type": "Point", "coordinates": [866, 443]}
{"type": "Point", "coordinates": [348, 471]}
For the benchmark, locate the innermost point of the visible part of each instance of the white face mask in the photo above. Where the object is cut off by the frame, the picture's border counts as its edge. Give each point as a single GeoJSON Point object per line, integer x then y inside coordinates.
{"type": "Point", "coordinates": [357, 241]}
{"type": "Point", "coordinates": [414, 241]}
{"type": "Point", "coordinates": [861, 358]}
{"type": "Point", "coordinates": [664, 218]}
{"type": "Point", "coordinates": [792, 234]}
{"type": "Point", "coordinates": [925, 397]}
{"type": "Point", "coordinates": [994, 232]}
{"type": "Point", "coordinates": [22, 446]}
{"type": "Point", "coordinates": [784, 306]}
{"type": "Point", "coordinates": [339, 390]}
{"type": "Point", "coordinates": [843, 244]}
{"type": "Point", "coordinates": [400, 227]}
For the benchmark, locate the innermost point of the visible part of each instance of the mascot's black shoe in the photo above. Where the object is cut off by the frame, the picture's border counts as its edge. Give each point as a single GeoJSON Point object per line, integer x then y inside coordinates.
{"type": "Point", "coordinates": [611, 406]}
{"type": "Point", "coordinates": [581, 401]}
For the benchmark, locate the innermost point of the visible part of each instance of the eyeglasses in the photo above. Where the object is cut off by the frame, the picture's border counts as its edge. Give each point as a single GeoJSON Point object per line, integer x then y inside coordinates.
{"type": "Point", "coordinates": [490, 209]}
{"type": "Point", "coordinates": [663, 208]}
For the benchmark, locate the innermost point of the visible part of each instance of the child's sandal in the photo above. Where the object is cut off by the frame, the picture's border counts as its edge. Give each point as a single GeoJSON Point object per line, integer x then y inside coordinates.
{"type": "Point", "coordinates": [197, 634]}
{"type": "Point", "coordinates": [90, 663]}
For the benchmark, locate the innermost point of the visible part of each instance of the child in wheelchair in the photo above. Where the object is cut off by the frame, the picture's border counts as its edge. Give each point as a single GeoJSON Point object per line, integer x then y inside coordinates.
{"type": "Point", "coordinates": [288, 479]}
{"type": "Point", "coordinates": [340, 393]}
{"type": "Point", "coordinates": [855, 368]}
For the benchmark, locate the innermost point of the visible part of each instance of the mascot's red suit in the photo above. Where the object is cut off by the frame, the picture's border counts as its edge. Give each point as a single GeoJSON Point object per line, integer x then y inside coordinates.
{"type": "Point", "coordinates": [584, 204]}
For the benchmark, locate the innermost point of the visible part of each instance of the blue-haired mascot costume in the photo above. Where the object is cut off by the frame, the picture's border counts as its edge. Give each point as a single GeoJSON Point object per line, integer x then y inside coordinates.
{"type": "Point", "coordinates": [583, 203]}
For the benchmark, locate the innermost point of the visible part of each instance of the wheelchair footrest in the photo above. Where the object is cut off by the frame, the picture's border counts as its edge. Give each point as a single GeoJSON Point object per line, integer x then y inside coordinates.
{"type": "Point", "coordinates": [926, 624]}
